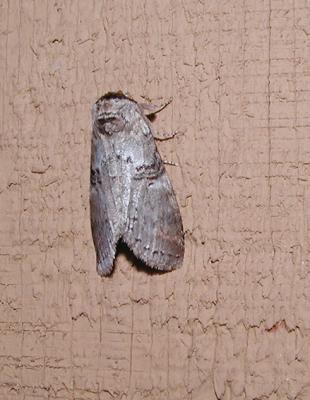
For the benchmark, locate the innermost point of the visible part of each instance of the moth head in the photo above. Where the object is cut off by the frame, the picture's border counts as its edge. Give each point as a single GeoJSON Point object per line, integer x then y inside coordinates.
{"type": "Point", "coordinates": [110, 113]}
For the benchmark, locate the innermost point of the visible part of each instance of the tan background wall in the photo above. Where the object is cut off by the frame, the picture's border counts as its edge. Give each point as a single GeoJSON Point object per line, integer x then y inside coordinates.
{"type": "Point", "coordinates": [234, 322]}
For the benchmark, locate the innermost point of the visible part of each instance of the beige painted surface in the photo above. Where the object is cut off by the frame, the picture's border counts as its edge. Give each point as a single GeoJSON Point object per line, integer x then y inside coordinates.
{"type": "Point", "coordinates": [234, 322]}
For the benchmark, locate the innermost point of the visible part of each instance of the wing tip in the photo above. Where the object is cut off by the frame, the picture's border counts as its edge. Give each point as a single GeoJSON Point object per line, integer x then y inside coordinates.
{"type": "Point", "coordinates": [159, 260]}
{"type": "Point", "coordinates": [105, 268]}
{"type": "Point", "coordinates": [165, 267]}
{"type": "Point", "coordinates": [173, 265]}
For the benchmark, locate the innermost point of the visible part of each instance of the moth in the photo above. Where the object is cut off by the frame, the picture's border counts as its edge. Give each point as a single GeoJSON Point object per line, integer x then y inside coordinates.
{"type": "Point", "coordinates": [131, 196]}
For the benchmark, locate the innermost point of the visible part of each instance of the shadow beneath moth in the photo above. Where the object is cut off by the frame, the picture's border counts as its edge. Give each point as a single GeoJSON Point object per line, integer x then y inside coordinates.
{"type": "Point", "coordinates": [131, 196]}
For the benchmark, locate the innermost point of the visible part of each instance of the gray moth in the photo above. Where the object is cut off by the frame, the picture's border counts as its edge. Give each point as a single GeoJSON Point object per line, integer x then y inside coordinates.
{"type": "Point", "coordinates": [131, 196]}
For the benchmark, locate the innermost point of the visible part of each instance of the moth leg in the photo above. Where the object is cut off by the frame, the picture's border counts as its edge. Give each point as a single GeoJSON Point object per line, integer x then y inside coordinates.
{"type": "Point", "coordinates": [170, 163]}
{"type": "Point", "coordinates": [150, 109]}
{"type": "Point", "coordinates": [165, 136]}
